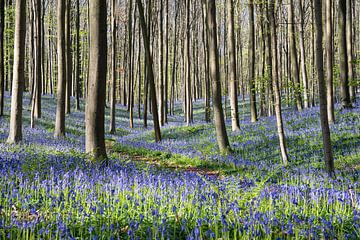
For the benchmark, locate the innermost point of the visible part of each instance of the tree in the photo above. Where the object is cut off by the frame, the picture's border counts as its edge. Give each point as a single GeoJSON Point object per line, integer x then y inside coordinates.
{"type": "Point", "coordinates": [329, 160]}
{"type": "Point", "coordinates": [68, 57]}
{"type": "Point", "coordinates": [344, 66]}
{"type": "Point", "coordinates": [95, 100]}
{"type": "Point", "coordinates": [38, 61]}
{"type": "Point", "coordinates": [15, 134]}
{"type": "Point", "coordinates": [293, 54]}
{"type": "Point", "coordinates": [2, 65]}
{"type": "Point", "coordinates": [112, 129]}
{"type": "Point", "coordinates": [60, 108]}
{"type": "Point", "coordinates": [78, 56]}
{"type": "Point", "coordinates": [303, 56]}
{"type": "Point", "coordinates": [251, 56]}
{"type": "Point", "coordinates": [329, 61]}
{"type": "Point", "coordinates": [188, 92]}
{"type": "Point", "coordinates": [214, 69]}
{"type": "Point", "coordinates": [350, 48]}
{"type": "Point", "coordinates": [233, 78]}
{"type": "Point", "coordinates": [150, 71]}
{"type": "Point", "coordinates": [275, 81]}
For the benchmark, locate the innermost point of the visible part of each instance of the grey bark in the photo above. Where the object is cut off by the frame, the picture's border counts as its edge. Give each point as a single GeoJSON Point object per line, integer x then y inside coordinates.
{"type": "Point", "coordinates": [15, 134]}
{"type": "Point", "coordinates": [329, 48]}
{"type": "Point", "coordinates": [232, 74]}
{"type": "Point", "coordinates": [329, 160]}
{"type": "Point", "coordinates": [150, 71]}
{"type": "Point", "coordinates": [344, 66]}
{"type": "Point", "coordinates": [112, 129]}
{"type": "Point", "coordinates": [275, 81]}
{"type": "Point", "coordinates": [95, 101]}
{"type": "Point", "coordinates": [61, 84]}
{"type": "Point", "coordinates": [251, 56]}
{"type": "Point", "coordinates": [222, 137]}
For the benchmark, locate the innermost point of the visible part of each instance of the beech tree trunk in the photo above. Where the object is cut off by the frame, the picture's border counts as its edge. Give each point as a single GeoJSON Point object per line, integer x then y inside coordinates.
{"type": "Point", "coordinates": [150, 71]}
{"type": "Point", "coordinates": [222, 137]}
{"type": "Point", "coordinates": [38, 54]}
{"type": "Point", "coordinates": [2, 65]}
{"type": "Point", "coordinates": [344, 66]}
{"type": "Point", "coordinates": [232, 60]}
{"type": "Point", "coordinates": [350, 48]}
{"type": "Point", "coordinates": [329, 160]}
{"type": "Point", "coordinates": [303, 56]}
{"type": "Point", "coordinates": [15, 134]}
{"type": "Point", "coordinates": [95, 100]}
{"type": "Point", "coordinates": [78, 57]}
{"type": "Point", "coordinates": [112, 129]}
{"type": "Point", "coordinates": [275, 81]}
{"type": "Point", "coordinates": [251, 56]}
{"type": "Point", "coordinates": [61, 49]}
{"type": "Point", "coordinates": [293, 54]}
{"type": "Point", "coordinates": [329, 48]}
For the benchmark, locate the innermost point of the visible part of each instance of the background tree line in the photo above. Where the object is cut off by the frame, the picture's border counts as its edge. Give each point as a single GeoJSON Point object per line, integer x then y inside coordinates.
{"type": "Point", "coordinates": [150, 55]}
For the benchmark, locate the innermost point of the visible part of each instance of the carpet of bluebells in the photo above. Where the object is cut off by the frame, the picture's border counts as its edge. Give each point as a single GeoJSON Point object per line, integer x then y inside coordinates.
{"type": "Point", "coordinates": [49, 190]}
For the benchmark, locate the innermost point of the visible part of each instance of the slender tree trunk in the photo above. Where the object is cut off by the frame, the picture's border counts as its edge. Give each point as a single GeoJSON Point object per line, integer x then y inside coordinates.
{"type": "Point", "coordinates": [232, 56]}
{"type": "Point", "coordinates": [2, 65]}
{"type": "Point", "coordinates": [294, 59]}
{"type": "Point", "coordinates": [60, 109]}
{"type": "Point", "coordinates": [188, 94]}
{"type": "Point", "coordinates": [166, 77]}
{"type": "Point", "coordinates": [36, 113]}
{"type": "Point", "coordinates": [221, 134]}
{"type": "Point", "coordinates": [95, 101]}
{"type": "Point", "coordinates": [112, 129]}
{"type": "Point", "coordinates": [174, 63]}
{"type": "Point", "coordinates": [275, 80]}
{"type": "Point", "coordinates": [206, 61]}
{"type": "Point", "coordinates": [303, 56]}
{"type": "Point", "coordinates": [350, 49]}
{"type": "Point", "coordinates": [329, 160]}
{"type": "Point", "coordinates": [15, 134]}
{"type": "Point", "coordinates": [344, 66]}
{"type": "Point", "coordinates": [329, 45]}
{"type": "Point", "coordinates": [150, 71]}
{"type": "Point", "coordinates": [161, 64]}
{"type": "Point", "coordinates": [251, 56]}
{"type": "Point", "coordinates": [78, 57]}
{"type": "Point", "coordinates": [68, 57]}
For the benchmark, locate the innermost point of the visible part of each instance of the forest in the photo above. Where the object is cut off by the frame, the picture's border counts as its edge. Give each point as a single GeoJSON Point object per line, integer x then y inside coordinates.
{"type": "Point", "coordinates": [166, 119]}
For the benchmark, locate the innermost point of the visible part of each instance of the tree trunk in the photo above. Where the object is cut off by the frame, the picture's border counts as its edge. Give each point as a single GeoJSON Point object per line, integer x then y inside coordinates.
{"type": "Point", "coordinates": [38, 54]}
{"type": "Point", "coordinates": [350, 49]}
{"type": "Point", "coordinates": [207, 71]}
{"type": "Point", "coordinates": [95, 101]}
{"type": "Point", "coordinates": [15, 134]}
{"type": "Point", "coordinates": [214, 68]}
{"type": "Point", "coordinates": [303, 56]}
{"type": "Point", "coordinates": [329, 46]}
{"type": "Point", "coordinates": [112, 129]}
{"type": "Point", "coordinates": [2, 65]}
{"type": "Point", "coordinates": [188, 94]}
{"type": "Point", "coordinates": [344, 66]}
{"type": "Point", "coordinates": [275, 80]}
{"type": "Point", "coordinates": [251, 56]}
{"type": "Point", "coordinates": [68, 46]}
{"type": "Point", "coordinates": [233, 78]}
{"type": "Point", "coordinates": [166, 77]}
{"type": "Point", "coordinates": [61, 49]}
{"type": "Point", "coordinates": [78, 56]}
{"type": "Point", "coordinates": [150, 71]}
{"type": "Point", "coordinates": [322, 90]}
{"type": "Point", "coordinates": [293, 54]}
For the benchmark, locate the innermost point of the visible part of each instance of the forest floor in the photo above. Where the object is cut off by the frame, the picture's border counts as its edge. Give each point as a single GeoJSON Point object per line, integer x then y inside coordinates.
{"type": "Point", "coordinates": [181, 188]}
